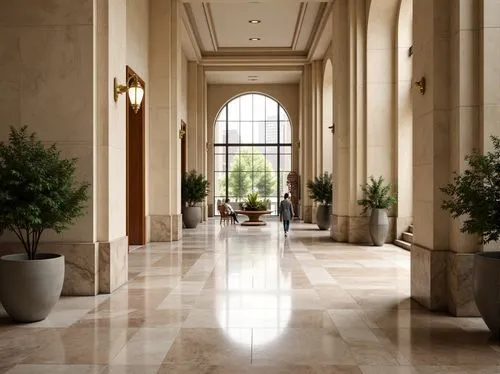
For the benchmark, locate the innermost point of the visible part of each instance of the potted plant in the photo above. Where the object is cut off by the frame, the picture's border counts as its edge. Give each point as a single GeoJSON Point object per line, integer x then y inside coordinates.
{"type": "Point", "coordinates": [476, 195]}
{"type": "Point", "coordinates": [320, 190]}
{"type": "Point", "coordinates": [38, 192]}
{"type": "Point", "coordinates": [194, 190]}
{"type": "Point", "coordinates": [378, 198]}
{"type": "Point", "coordinates": [253, 203]}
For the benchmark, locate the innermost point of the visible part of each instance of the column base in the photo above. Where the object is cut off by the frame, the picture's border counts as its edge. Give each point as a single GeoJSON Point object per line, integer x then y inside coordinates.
{"type": "Point", "coordinates": [460, 272]}
{"type": "Point", "coordinates": [90, 268]}
{"type": "Point", "coordinates": [166, 228]}
{"type": "Point", "coordinates": [307, 211]}
{"type": "Point", "coordinates": [428, 277]}
{"type": "Point", "coordinates": [356, 229]}
{"type": "Point", "coordinates": [113, 264]}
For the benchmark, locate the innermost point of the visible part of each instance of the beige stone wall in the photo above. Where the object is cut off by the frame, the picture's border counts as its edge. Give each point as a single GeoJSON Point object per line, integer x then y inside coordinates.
{"type": "Point", "coordinates": [184, 89]}
{"type": "Point", "coordinates": [46, 51]}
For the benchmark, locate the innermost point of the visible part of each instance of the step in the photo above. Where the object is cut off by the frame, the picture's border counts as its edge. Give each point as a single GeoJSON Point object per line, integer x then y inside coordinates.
{"type": "Point", "coordinates": [410, 229]}
{"type": "Point", "coordinates": [402, 244]}
{"type": "Point", "coordinates": [407, 237]}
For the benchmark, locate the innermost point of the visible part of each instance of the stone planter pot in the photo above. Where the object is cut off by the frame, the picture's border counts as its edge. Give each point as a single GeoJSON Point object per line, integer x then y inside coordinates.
{"type": "Point", "coordinates": [191, 216]}
{"type": "Point", "coordinates": [486, 283]}
{"type": "Point", "coordinates": [324, 216]}
{"type": "Point", "coordinates": [379, 226]}
{"type": "Point", "coordinates": [29, 289]}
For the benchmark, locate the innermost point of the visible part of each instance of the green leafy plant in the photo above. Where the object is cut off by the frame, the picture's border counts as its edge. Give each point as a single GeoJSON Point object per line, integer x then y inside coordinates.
{"type": "Point", "coordinates": [476, 194]}
{"type": "Point", "coordinates": [377, 195]}
{"type": "Point", "coordinates": [320, 189]}
{"type": "Point", "coordinates": [194, 188]}
{"type": "Point", "coordinates": [254, 203]}
{"type": "Point", "coordinates": [38, 190]}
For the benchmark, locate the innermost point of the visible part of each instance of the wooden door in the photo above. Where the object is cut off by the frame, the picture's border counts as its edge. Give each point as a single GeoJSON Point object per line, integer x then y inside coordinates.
{"type": "Point", "coordinates": [136, 189]}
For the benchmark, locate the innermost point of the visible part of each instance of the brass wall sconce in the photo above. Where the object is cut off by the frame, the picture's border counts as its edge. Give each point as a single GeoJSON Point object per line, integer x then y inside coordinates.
{"type": "Point", "coordinates": [182, 131]}
{"type": "Point", "coordinates": [134, 89]}
{"type": "Point", "coordinates": [421, 85]}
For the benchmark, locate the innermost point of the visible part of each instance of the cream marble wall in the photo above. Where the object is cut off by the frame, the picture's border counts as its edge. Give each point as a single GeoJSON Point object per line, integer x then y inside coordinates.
{"type": "Point", "coordinates": [184, 89]}
{"type": "Point", "coordinates": [46, 51]}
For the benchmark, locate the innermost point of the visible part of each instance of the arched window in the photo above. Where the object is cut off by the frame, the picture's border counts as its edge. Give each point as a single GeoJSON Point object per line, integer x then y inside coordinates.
{"type": "Point", "coordinates": [253, 149]}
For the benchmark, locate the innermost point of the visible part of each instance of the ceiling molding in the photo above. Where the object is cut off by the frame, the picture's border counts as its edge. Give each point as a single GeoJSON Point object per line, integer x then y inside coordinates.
{"type": "Point", "coordinates": [256, 68]}
{"type": "Point", "coordinates": [298, 25]}
{"type": "Point", "coordinates": [194, 39]}
{"type": "Point", "coordinates": [320, 23]}
{"type": "Point", "coordinates": [253, 61]}
{"type": "Point", "coordinates": [210, 22]}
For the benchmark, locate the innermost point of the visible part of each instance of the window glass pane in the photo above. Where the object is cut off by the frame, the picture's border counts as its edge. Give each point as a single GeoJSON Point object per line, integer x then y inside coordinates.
{"type": "Point", "coordinates": [233, 149]}
{"type": "Point", "coordinates": [286, 149]}
{"type": "Point", "coordinates": [258, 162]}
{"type": "Point", "coordinates": [259, 107]}
{"type": "Point", "coordinates": [220, 132]}
{"type": "Point", "coordinates": [233, 161]}
{"type": "Point", "coordinates": [233, 132]}
{"type": "Point", "coordinates": [271, 110]}
{"type": "Point", "coordinates": [222, 114]}
{"type": "Point", "coordinates": [272, 150]}
{"type": "Point", "coordinates": [234, 110]}
{"type": "Point", "coordinates": [259, 150]}
{"type": "Point", "coordinates": [239, 184]}
{"type": "Point", "coordinates": [283, 115]}
{"type": "Point", "coordinates": [246, 132]}
{"type": "Point", "coordinates": [285, 162]}
{"type": "Point", "coordinates": [259, 132]}
{"type": "Point", "coordinates": [220, 150]}
{"type": "Point", "coordinates": [285, 132]}
{"type": "Point", "coordinates": [273, 161]}
{"type": "Point", "coordinates": [220, 183]}
{"type": "Point", "coordinates": [246, 150]}
{"type": "Point", "coordinates": [220, 163]}
{"type": "Point", "coordinates": [246, 107]}
{"type": "Point", "coordinates": [271, 132]}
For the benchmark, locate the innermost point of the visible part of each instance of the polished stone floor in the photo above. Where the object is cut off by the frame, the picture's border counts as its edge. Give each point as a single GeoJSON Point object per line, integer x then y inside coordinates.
{"type": "Point", "coordinates": [247, 300]}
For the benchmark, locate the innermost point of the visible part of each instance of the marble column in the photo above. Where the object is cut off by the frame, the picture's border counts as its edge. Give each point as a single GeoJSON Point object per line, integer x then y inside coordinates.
{"type": "Point", "coordinates": [349, 150]}
{"type": "Point", "coordinates": [165, 122]}
{"type": "Point", "coordinates": [196, 127]}
{"type": "Point", "coordinates": [306, 143]}
{"type": "Point", "coordinates": [431, 149]}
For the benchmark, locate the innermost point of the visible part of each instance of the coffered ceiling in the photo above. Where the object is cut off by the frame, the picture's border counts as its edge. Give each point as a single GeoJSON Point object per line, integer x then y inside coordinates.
{"type": "Point", "coordinates": [243, 34]}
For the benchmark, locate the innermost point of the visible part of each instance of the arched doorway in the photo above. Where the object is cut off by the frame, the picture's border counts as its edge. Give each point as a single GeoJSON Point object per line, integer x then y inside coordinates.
{"type": "Point", "coordinates": [252, 149]}
{"type": "Point", "coordinates": [327, 117]}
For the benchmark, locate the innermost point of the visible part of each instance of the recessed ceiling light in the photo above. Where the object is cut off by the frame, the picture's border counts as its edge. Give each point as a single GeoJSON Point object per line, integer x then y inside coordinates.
{"type": "Point", "coordinates": [252, 79]}
{"type": "Point", "coordinates": [254, 39]}
{"type": "Point", "coordinates": [255, 21]}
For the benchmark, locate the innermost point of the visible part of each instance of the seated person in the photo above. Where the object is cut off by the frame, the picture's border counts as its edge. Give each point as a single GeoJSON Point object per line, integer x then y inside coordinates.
{"type": "Point", "coordinates": [230, 211]}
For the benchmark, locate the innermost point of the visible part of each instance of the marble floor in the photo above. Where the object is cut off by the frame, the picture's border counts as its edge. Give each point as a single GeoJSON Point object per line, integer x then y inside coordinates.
{"type": "Point", "coordinates": [247, 300]}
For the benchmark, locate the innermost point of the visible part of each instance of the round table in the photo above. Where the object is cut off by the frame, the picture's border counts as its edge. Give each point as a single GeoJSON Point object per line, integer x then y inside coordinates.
{"type": "Point", "coordinates": [253, 217]}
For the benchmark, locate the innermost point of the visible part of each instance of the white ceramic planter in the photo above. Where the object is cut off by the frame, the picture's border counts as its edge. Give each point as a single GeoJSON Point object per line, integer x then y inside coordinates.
{"type": "Point", "coordinates": [29, 289]}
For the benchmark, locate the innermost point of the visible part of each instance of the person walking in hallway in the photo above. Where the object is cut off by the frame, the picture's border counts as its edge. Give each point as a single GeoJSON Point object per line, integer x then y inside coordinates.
{"type": "Point", "coordinates": [286, 213]}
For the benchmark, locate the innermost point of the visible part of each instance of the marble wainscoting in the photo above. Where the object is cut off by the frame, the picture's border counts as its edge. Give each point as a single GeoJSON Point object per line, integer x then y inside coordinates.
{"type": "Point", "coordinates": [339, 229]}
{"type": "Point", "coordinates": [356, 230]}
{"type": "Point", "coordinates": [460, 282]}
{"type": "Point", "coordinates": [428, 277]}
{"type": "Point", "coordinates": [166, 228]}
{"type": "Point", "coordinates": [81, 277]}
{"type": "Point", "coordinates": [113, 264]}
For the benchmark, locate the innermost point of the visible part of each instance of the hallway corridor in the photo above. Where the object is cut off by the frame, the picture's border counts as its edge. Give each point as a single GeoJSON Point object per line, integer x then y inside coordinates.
{"type": "Point", "coordinates": [247, 300]}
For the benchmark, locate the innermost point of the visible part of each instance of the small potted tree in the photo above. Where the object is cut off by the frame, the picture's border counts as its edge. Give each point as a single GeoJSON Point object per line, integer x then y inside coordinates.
{"type": "Point", "coordinates": [377, 198]}
{"type": "Point", "coordinates": [194, 190]}
{"type": "Point", "coordinates": [476, 195]}
{"type": "Point", "coordinates": [321, 190]}
{"type": "Point", "coordinates": [38, 192]}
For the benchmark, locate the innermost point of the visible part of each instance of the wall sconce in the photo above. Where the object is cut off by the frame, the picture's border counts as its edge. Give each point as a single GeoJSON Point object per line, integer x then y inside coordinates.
{"type": "Point", "coordinates": [182, 131]}
{"type": "Point", "coordinates": [332, 128]}
{"type": "Point", "coordinates": [421, 85]}
{"type": "Point", "coordinates": [134, 89]}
